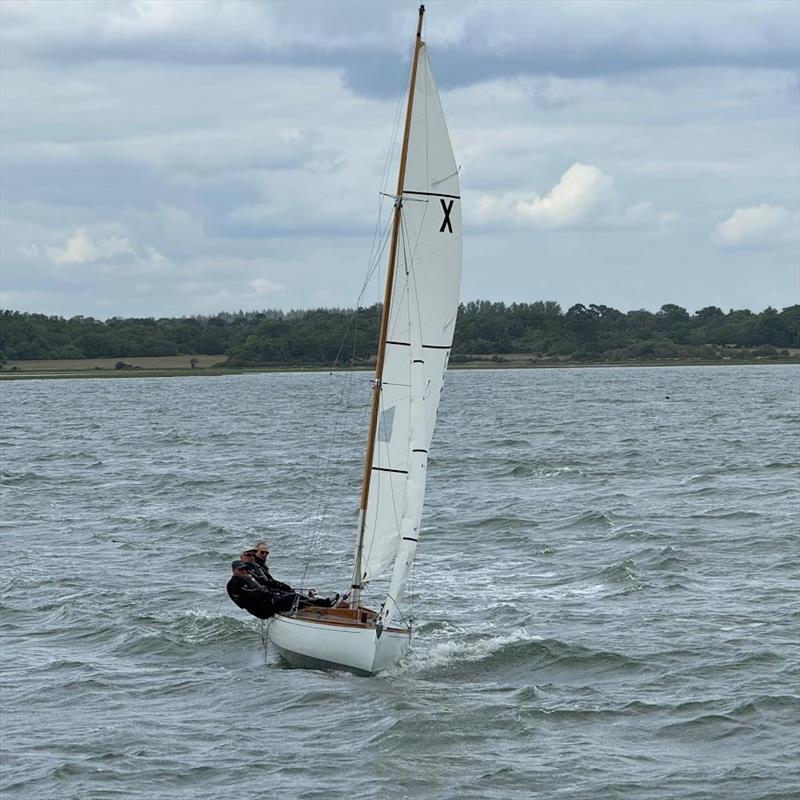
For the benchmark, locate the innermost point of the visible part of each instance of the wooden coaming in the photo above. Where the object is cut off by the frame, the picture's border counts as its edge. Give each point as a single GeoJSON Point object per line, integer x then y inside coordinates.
{"type": "Point", "coordinates": [342, 616]}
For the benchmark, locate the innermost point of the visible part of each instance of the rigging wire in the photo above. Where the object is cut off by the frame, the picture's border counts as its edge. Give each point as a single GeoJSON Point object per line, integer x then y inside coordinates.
{"type": "Point", "coordinates": [336, 444]}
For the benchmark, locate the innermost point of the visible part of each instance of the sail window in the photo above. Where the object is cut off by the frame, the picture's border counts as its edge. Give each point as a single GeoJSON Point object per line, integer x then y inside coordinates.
{"type": "Point", "coordinates": [386, 424]}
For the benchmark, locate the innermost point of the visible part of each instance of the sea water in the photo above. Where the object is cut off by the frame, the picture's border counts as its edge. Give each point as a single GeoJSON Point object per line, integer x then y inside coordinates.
{"type": "Point", "coordinates": [604, 599]}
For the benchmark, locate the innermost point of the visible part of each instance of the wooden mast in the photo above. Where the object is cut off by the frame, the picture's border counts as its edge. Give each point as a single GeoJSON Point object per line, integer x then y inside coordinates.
{"type": "Point", "coordinates": [387, 299]}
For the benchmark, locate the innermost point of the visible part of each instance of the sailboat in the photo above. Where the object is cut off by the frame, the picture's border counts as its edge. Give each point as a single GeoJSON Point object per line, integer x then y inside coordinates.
{"type": "Point", "coordinates": [416, 334]}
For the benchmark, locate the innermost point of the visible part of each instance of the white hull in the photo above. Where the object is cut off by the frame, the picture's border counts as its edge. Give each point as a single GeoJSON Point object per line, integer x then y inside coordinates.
{"type": "Point", "coordinates": [336, 644]}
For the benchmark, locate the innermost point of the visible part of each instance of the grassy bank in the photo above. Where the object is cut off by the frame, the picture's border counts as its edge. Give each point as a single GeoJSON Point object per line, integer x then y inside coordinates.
{"type": "Point", "coordinates": [211, 365]}
{"type": "Point", "coordinates": [144, 367]}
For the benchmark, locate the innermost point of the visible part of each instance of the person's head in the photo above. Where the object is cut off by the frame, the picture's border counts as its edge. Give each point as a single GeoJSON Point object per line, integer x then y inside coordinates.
{"type": "Point", "coordinates": [239, 568]}
{"type": "Point", "coordinates": [262, 550]}
{"type": "Point", "coordinates": [248, 556]}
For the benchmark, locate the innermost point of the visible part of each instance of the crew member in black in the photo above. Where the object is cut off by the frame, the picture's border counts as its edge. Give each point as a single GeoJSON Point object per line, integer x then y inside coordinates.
{"type": "Point", "coordinates": [252, 596]}
{"type": "Point", "coordinates": [261, 573]}
{"type": "Point", "coordinates": [260, 601]}
{"type": "Point", "coordinates": [253, 570]}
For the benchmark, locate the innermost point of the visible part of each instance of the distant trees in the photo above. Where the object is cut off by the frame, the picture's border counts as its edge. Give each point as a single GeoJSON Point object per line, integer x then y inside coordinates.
{"type": "Point", "coordinates": [601, 332]}
{"type": "Point", "coordinates": [324, 336]}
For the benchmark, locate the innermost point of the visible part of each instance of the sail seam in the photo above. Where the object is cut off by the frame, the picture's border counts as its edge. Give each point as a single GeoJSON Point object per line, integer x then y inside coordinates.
{"type": "Point", "coordinates": [388, 469]}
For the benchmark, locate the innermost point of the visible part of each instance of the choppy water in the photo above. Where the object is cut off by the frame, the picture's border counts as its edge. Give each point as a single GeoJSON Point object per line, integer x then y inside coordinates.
{"type": "Point", "coordinates": [605, 594]}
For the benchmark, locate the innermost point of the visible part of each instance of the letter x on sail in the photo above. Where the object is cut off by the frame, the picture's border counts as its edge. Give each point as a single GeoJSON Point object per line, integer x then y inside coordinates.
{"type": "Point", "coordinates": [447, 208]}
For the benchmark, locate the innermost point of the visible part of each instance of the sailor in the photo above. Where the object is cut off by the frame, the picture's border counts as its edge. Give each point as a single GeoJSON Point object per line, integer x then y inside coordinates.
{"type": "Point", "coordinates": [255, 598]}
{"type": "Point", "coordinates": [260, 575]}
{"type": "Point", "coordinates": [261, 553]}
{"type": "Point", "coordinates": [250, 595]}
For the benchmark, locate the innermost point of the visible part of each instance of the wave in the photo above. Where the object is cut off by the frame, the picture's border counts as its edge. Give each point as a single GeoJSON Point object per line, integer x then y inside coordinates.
{"type": "Point", "coordinates": [703, 728]}
{"type": "Point", "coordinates": [720, 513]}
{"type": "Point", "coordinates": [588, 519]}
{"type": "Point", "coordinates": [636, 533]}
{"type": "Point", "coordinates": [456, 650]}
{"type": "Point", "coordinates": [199, 526]}
{"type": "Point", "coordinates": [190, 483]}
{"type": "Point", "coordinates": [702, 477]}
{"type": "Point", "coordinates": [623, 572]}
{"type": "Point", "coordinates": [516, 653]}
{"type": "Point", "coordinates": [502, 522]}
{"type": "Point", "coordinates": [532, 471]}
{"type": "Point", "coordinates": [505, 444]}
{"type": "Point", "coordinates": [200, 627]}
{"type": "Point", "coordinates": [666, 558]}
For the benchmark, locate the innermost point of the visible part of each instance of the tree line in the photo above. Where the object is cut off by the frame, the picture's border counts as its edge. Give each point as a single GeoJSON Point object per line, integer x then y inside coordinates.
{"type": "Point", "coordinates": [325, 336]}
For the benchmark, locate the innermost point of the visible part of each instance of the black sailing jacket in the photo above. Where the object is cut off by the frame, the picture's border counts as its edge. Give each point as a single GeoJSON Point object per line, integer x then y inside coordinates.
{"type": "Point", "coordinates": [261, 574]}
{"type": "Point", "coordinates": [250, 596]}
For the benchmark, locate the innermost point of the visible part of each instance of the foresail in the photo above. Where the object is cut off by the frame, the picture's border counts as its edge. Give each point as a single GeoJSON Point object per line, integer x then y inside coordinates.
{"type": "Point", "coordinates": [422, 317]}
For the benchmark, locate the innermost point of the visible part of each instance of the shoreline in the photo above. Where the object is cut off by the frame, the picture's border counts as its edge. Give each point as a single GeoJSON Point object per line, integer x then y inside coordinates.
{"type": "Point", "coordinates": [487, 364]}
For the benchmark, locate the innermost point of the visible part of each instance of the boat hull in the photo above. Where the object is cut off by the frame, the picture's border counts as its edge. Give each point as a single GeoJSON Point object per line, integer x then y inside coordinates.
{"type": "Point", "coordinates": [334, 639]}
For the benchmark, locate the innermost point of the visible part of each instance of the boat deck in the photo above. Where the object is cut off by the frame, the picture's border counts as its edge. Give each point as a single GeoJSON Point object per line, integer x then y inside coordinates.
{"type": "Point", "coordinates": [351, 617]}
{"type": "Point", "coordinates": [345, 617]}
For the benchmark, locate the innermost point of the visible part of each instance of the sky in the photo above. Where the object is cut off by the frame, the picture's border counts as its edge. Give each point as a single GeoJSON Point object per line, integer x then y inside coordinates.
{"type": "Point", "coordinates": [171, 158]}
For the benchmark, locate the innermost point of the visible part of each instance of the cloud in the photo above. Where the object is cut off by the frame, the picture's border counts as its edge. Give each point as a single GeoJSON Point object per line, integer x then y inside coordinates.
{"type": "Point", "coordinates": [82, 247]}
{"type": "Point", "coordinates": [582, 192]}
{"type": "Point", "coordinates": [756, 225]}
{"type": "Point", "coordinates": [263, 286]}
{"type": "Point", "coordinates": [583, 37]}
{"type": "Point", "coordinates": [584, 195]}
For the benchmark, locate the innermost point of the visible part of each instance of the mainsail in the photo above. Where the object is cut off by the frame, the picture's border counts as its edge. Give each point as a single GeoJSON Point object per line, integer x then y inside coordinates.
{"type": "Point", "coordinates": [422, 318]}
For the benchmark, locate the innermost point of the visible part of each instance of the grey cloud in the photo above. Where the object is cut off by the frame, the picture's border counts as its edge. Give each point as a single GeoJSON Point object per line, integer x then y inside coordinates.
{"type": "Point", "coordinates": [476, 41]}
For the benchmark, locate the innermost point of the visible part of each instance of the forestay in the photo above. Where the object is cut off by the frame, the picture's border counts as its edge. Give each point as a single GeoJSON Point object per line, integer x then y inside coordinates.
{"type": "Point", "coordinates": [422, 317]}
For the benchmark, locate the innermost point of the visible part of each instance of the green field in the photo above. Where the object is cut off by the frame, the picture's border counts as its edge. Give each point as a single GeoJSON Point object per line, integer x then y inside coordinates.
{"type": "Point", "coordinates": [146, 366]}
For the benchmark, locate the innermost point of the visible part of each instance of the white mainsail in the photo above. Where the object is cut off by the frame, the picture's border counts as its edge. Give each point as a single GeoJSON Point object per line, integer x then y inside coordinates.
{"type": "Point", "coordinates": [422, 317]}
